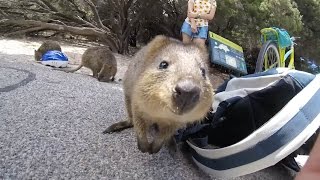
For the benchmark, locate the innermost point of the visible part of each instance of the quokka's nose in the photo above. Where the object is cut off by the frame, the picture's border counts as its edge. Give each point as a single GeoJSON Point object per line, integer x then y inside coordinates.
{"type": "Point", "coordinates": [186, 96]}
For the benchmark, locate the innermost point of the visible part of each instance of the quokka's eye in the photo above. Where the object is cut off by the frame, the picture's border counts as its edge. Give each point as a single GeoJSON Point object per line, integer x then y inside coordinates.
{"type": "Point", "coordinates": [203, 72]}
{"type": "Point", "coordinates": [163, 65]}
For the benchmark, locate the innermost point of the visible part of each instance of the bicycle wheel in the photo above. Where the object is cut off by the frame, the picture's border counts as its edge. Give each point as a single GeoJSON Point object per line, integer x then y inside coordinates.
{"type": "Point", "coordinates": [268, 57]}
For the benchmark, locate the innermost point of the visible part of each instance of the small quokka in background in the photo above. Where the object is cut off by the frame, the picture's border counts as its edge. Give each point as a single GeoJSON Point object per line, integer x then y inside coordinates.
{"type": "Point", "coordinates": [46, 46]}
{"type": "Point", "coordinates": [166, 87]}
{"type": "Point", "coordinates": [101, 61]}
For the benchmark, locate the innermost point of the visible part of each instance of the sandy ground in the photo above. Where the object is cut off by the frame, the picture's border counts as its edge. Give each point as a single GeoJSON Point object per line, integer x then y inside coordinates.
{"type": "Point", "coordinates": [73, 52]}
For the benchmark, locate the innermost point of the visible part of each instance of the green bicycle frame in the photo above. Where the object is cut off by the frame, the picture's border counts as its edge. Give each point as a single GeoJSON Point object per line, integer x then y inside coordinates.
{"type": "Point", "coordinates": [283, 55]}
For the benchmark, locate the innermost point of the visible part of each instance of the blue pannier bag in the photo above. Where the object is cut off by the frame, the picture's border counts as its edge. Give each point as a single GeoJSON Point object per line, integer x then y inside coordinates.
{"type": "Point", "coordinates": [54, 58]}
{"type": "Point", "coordinates": [257, 121]}
{"type": "Point", "coordinates": [284, 37]}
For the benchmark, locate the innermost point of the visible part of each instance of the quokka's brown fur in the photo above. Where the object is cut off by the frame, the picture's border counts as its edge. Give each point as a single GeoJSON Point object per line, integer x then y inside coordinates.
{"type": "Point", "coordinates": [165, 88]}
{"type": "Point", "coordinates": [46, 46]}
{"type": "Point", "coordinates": [101, 61]}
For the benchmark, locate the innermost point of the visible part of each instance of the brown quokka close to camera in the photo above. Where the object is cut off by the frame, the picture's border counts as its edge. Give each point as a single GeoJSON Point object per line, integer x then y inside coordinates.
{"type": "Point", "coordinates": [101, 61]}
{"type": "Point", "coordinates": [166, 87]}
{"type": "Point", "coordinates": [46, 46]}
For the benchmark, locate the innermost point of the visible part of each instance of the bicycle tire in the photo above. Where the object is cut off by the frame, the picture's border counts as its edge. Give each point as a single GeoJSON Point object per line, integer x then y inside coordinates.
{"type": "Point", "coordinates": [269, 45]}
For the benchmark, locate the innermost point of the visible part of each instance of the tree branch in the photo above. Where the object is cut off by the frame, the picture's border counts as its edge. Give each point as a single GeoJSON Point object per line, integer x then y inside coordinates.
{"type": "Point", "coordinates": [75, 30]}
{"type": "Point", "coordinates": [2, 12]}
{"type": "Point", "coordinates": [96, 14]}
{"type": "Point", "coordinates": [57, 21]}
{"type": "Point", "coordinates": [24, 31]}
{"type": "Point", "coordinates": [53, 26]}
{"type": "Point", "coordinates": [128, 4]}
{"type": "Point", "coordinates": [76, 6]}
{"type": "Point", "coordinates": [48, 4]}
{"type": "Point", "coordinates": [39, 3]}
{"type": "Point", "coordinates": [45, 7]}
{"type": "Point", "coordinates": [86, 22]}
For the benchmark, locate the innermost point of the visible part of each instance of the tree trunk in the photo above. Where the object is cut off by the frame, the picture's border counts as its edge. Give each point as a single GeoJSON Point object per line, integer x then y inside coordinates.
{"type": "Point", "coordinates": [123, 45]}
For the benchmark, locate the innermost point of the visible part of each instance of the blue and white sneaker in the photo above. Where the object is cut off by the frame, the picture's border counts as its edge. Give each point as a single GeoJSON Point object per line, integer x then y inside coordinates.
{"type": "Point", "coordinates": [55, 59]}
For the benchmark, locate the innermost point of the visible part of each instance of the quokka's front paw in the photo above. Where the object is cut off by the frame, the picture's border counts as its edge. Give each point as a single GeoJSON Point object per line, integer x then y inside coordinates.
{"type": "Point", "coordinates": [144, 146]}
{"type": "Point", "coordinates": [172, 147]}
{"type": "Point", "coordinates": [155, 146]}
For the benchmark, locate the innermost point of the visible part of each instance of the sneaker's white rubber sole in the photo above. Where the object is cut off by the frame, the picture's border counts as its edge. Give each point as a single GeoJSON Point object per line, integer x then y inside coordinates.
{"type": "Point", "coordinates": [55, 63]}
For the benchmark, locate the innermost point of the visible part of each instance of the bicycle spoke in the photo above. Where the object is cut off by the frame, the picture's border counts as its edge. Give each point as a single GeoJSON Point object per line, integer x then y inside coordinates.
{"type": "Point", "coordinates": [268, 57]}
{"type": "Point", "coordinates": [271, 59]}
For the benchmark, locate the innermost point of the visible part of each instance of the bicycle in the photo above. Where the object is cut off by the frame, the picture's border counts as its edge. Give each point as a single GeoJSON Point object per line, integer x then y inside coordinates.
{"type": "Point", "coordinates": [277, 47]}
